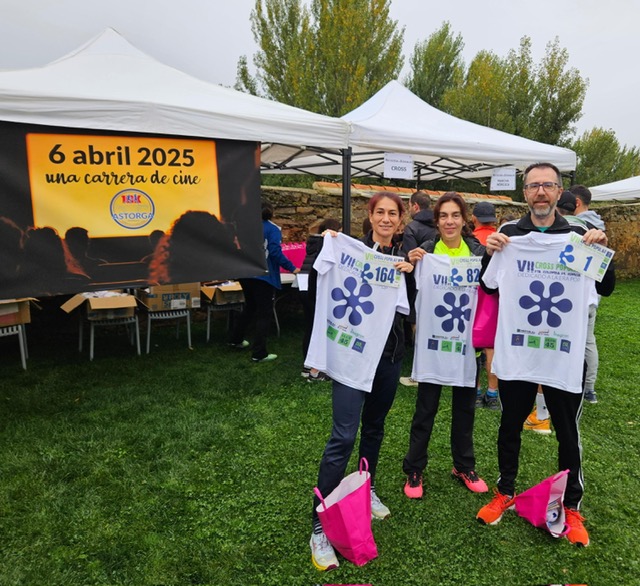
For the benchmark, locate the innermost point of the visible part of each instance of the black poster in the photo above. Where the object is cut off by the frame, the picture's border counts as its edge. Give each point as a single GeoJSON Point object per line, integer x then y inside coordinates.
{"type": "Point", "coordinates": [84, 210]}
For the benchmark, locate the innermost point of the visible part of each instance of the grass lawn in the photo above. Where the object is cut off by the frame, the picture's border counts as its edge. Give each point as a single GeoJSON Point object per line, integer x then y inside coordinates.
{"type": "Point", "coordinates": [195, 466]}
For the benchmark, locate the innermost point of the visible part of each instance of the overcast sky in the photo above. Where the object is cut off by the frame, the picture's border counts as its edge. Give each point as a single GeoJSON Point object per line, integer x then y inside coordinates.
{"type": "Point", "coordinates": [206, 37]}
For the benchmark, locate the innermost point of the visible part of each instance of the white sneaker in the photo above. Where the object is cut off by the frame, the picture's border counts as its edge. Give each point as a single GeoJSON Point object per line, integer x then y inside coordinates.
{"type": "Point", "coordinates": [378, 510]}
{"type": "Point", "coordinates": [322, 554]}
{"type": "Point", "coordinates": [407, 381]}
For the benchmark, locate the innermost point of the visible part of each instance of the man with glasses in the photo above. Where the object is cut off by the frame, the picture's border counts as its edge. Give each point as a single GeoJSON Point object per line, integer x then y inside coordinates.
{"type": "Point", "coordinates": [542, 190]}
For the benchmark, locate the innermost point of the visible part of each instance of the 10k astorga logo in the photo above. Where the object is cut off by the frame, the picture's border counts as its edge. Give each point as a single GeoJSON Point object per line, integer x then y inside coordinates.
{"type": "Point", "coordinates": [132, 209]}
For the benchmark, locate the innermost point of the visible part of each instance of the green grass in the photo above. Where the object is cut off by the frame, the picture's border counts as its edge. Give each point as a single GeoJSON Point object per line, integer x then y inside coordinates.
{"type": "Point", "coordinates": [194, 466]}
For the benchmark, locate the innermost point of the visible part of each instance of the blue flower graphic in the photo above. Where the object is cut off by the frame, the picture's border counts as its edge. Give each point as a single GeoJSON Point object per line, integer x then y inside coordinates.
{"type": "Point", "coordinates": [366, 273]}
{"type": "Point", "coordinates": [542, 304]}
{"type": "Point", "coordinates": [352, 301]}
{"type": "Point", "coordinates": [455, 312]}
{"type": "Point", "coordinates": [456, 277]}
{"type": "Point", "coordinates": [566, 256]}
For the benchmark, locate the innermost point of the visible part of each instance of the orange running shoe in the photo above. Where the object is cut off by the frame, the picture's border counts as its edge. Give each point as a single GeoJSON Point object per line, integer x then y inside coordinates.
{"type": "Point", "coordinates": [578, 534]}
{"type": "Point", "coordinates": [541, 426]}
{"type": "Point", "coordinates": [492, 513]}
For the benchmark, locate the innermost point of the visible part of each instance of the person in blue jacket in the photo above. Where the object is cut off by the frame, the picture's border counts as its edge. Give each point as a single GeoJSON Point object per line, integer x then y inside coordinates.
{"type": "Point", "coordinates": [259, 292]}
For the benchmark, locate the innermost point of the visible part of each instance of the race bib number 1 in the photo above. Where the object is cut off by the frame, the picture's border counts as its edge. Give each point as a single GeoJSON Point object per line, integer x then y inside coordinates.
{"type": "Point", "coordinates": [591, 260]}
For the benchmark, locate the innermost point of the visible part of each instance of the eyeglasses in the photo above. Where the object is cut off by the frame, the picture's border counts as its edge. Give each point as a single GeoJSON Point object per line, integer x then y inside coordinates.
{"type": "Point", "coordinates": [547, 186]}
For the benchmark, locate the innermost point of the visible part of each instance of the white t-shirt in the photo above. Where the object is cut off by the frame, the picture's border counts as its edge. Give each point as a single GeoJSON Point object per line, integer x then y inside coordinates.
{"type": "Point", "coordinates": [443, 353]}
{"type": "Point", "coordinates": [358, 294]}
{"type": "Point", "coordinates": [543, 312]}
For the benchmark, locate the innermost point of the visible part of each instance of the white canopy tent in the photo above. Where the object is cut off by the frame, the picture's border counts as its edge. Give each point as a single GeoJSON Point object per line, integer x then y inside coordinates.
{"type": "Point", "coordinates": [626, 189]}
{"type": "Point", "coordinates": [395, 120]}
{"type": "Point", "coordinates": [107, 84]}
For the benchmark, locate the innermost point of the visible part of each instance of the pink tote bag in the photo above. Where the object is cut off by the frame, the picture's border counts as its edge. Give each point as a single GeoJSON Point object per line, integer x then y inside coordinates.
{"type": "Point", "coordinates": [345, 516]}
{"type": "Point", "coordinates": [542, 504]}
{"type": "Point", "coordinates": [485, 322]}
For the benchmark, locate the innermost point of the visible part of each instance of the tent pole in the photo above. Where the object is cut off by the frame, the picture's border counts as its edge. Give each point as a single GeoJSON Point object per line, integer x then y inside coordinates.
{"type": "Point", "coordinates": [346, 191]}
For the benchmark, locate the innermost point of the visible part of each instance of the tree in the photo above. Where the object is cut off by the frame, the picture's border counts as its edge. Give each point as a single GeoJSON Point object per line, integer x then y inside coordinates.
{"type": "Point", "coordinates": [436, 65]}
{"type": "Point", "coordinates": [328, 58]}
{"type": "Point", "coordinates": [282, 29]}
{"type": "Point", "coordinates": [559, 96]}
{"type": "Point", "coordinates": [519, 89]}
{"type": "Point", "coordinates": [481, 97]}
{"type": "Point", "coordinates": [540, 102]}
{"type": "Point", "coordinates": [601, 160]}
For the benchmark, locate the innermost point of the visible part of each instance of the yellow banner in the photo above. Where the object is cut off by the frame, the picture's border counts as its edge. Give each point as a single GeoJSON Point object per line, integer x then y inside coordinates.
{"type": "Point", "coordinates": [119, 185]}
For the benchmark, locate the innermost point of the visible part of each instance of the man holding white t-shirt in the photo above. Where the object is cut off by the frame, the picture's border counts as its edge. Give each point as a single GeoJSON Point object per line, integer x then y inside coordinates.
{"type": "Point", "coordinates": [522, 262]}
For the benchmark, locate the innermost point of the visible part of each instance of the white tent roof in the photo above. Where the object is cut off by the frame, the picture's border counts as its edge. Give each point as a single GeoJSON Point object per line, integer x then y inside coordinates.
{"type": "Point", "coordinates": [619, 190]}
{"type": "Point", "coordinates": [395, 120]}
{"type": "Point", "coordinates": [108, 84]}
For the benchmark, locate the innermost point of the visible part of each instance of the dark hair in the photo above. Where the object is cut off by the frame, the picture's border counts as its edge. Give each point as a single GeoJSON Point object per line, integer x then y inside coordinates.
{"type": "Point", "coordinates": [267, 210]}
{"type": "Point", "coordinates": [582, 193]}
{"type": "Point", "coordinates": [330, 224]}
{"type": "Point", "coordinates": [422, 199]}
{"type": "Point", "coordinates": [77, 240]}
{"type": "Point", "coordinates": [542, 166]}
{"type": "Point", "coordinates": [459, 201]}
{"type": "Point", "coordinates": [508, 218]}
{"type": "Point", "coordinates": [366, 226]}
{"type": "Point", "coordinates": [394, 197]}
{"type": "Point", "coordinates": [192, 249]}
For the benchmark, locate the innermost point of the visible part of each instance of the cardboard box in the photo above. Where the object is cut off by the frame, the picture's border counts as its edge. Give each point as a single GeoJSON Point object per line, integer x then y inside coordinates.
{"type": "Point", "coordinates": [223, 293]}
{"type": "Point", "coordinates": [115, 306]}
{"type": "Point", "coordinates": [169, 297]}
{"type": "Point", "coordinates": [15, 311]}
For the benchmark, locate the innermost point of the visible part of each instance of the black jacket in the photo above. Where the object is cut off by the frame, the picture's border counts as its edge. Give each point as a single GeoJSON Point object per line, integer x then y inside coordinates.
{"type": "Point", "coordinates": [313, 248]}
{"type": "Point", "coordinates": [419, 230]}
{"type": "Point", "coordinates": [394, 346]}
{"type": "Point", "coordinates": [560, 225]}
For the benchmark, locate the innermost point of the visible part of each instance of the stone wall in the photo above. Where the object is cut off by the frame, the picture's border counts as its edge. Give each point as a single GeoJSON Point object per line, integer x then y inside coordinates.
{"type": "Point", "coordinates": [623, 229]}
{"type": "Point", "coordinates": [299, 211]}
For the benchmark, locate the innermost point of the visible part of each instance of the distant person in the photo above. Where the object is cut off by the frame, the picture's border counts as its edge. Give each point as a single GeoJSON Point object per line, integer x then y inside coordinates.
{"type": "Point", "coordinates": [508, 218]}
{"type": "Point", "coordinates": [583, 201]}
{"type": "Point", "coordinates": [259, 292]}
{"type": "Point", "coordinates": [484, 220]}
{"type": "Point", "coordinates": [308, 296]}
{"type": "Point", "coordinates": [77, 241]}
{"type": "Point", "coordinates": [567, 207]}
{"type": "Point", "coordinates": [198, 247]}
{"type": "Point", "coordinates": [593, 220]}
{"type": "Point", "coordinates": [422, 227]}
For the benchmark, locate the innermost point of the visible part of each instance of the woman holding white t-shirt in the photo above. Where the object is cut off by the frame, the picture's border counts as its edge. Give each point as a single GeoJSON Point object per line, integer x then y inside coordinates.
{"type": "Point", "coordinates": [454, 240]}
{"type": "Point", "coordinates": [355, 409]}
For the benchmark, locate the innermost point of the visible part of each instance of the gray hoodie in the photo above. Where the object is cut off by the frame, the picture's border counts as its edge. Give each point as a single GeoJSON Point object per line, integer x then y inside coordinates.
{"type": "Point", "coordinates": [593, 218]}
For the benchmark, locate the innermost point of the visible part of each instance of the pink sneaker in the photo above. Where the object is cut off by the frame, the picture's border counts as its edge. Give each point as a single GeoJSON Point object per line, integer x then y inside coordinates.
{"type": "Point", "coordinates": [471, 480]}
{"type": "Point", "coordinates": [413, 486]}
